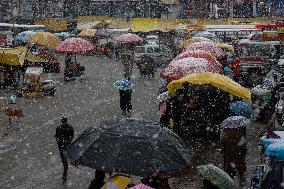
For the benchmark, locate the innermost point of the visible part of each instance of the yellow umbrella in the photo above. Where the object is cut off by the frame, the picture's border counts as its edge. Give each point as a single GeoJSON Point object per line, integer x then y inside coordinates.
{"type": "Point", "coordinates": [189, 41]}
{"type": "Point", "coordinates": [226, 47]}
{"type": "Point", "coordinates": [219, 81]}
{"type": "Point", "coordinates": [117, 181]}
{"type": "Point", "coordinates": [46, 39]}
{"type": "Point", "coordinates": [88, 33]}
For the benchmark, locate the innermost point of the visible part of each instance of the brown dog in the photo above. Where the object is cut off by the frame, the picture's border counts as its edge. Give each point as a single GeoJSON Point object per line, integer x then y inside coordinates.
{"type": "Point", "coordinates": [13, 112]}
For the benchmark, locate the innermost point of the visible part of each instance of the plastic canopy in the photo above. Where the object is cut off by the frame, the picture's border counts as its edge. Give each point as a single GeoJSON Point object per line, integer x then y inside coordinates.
{"type": "Point", "coordinates": [207, 78]}
{"type": "Point", "coordinates": [13, 56]}
{"type": "Point", "coordinates": [182, 67]}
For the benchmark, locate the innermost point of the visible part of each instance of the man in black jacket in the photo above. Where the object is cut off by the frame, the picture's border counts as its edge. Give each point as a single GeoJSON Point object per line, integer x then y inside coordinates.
{"type": "Point", "coordinates": [64, 136]}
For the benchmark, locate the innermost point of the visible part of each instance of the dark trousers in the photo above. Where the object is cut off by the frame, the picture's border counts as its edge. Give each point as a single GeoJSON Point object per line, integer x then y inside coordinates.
{"type": "Point", "coordinates": [64, 162]}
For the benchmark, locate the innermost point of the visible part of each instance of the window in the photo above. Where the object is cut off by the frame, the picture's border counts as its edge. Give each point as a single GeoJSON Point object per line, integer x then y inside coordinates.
{"type": "Point", "coordinates": [140, 50]}
{"type": "Point", "coordinates": [149, 50]}
{"type": "Point", "coordinates": [157, 50]}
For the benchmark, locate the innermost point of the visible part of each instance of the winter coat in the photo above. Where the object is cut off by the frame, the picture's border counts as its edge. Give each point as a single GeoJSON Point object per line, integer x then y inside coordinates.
{"type": "Point", "coordinates": [127, 67]}
{"type": "Point", "coordinates": [165, 114]}
{"type": "Point", "coordinates": [64, 136]}
{"type": "Point", "coordinates": [234, 151]}
{"type": "Point", "coordinates": [125, 99]}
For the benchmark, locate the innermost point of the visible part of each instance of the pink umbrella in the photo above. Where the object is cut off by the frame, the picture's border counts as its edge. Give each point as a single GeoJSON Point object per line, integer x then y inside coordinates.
{"type": "Point", "coordinates": [199, 54]}
{"type": "Point", "coordinates": [141, 186]}
{"type": "Point", "coordinates": [75, 46]}
{"type": "Point", "coordinates": [129, 38]}
{"type": "Point", "coordinates": [208, 47]}
{"type": "Point", "coordinates": [183, 67]}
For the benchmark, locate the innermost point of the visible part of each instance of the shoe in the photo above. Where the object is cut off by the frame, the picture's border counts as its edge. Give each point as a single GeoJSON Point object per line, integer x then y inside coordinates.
{"type": "Point", "coordinates": [123, 113]}
{"type": "Point", "coordinates": [128, 114]}
{"type": "Point", "coordinates": [64, 179]}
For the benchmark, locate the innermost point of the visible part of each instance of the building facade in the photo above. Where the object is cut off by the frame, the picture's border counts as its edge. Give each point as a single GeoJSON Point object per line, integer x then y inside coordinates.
{"type": "Point", "coordinates": [27, 10]}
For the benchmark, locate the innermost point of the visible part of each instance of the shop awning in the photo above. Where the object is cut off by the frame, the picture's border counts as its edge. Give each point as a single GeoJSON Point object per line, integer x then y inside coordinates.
{"type": "Point", "coordinates": [87, 25]}
{"type": "Point", "coordinates": [144, 24]}
{"type": "Point", "coordinates": [119, 23]}
{"type": "Point", "coordinates": [13, 56]}
{"type": "Point", "coordinates": [166, 25]}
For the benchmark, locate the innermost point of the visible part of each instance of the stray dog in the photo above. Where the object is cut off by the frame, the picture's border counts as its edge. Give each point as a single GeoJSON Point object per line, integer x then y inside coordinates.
{"type": "Point", "coordinates": [13, 112]}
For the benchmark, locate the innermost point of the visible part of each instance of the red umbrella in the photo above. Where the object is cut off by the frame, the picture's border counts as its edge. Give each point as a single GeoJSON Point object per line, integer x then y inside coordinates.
{"type": "Point", "coordinates": [183, 67]}
{"type": "Point", "coordinates": [75, 46]}
{"type": "Point", "coordinates": [129, 38]}
{"type": "Point", "coordinates": [199, 54]}
{"type": "Point", "coordinates": [210, 47]}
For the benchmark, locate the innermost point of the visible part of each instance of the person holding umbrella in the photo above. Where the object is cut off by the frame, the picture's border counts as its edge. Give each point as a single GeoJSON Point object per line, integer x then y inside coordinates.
{"type": "Point", "coordinates": [233, 138]}
{"type": "Point", "coordinates": [64, 136]}
{"type": "Point", "coordinates": [124, 86]}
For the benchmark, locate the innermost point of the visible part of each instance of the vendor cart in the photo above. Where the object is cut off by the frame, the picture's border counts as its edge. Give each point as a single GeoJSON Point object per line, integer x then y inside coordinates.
{"type": "Point", "coordinates": [73, 69]}
{"type": "Point", "coordinates": [42, 58]}
{"type": "Point", "coordinates": [34, 85]}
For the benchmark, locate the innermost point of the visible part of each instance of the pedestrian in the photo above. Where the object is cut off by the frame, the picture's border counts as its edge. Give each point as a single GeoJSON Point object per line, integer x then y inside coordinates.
{"type": "Point", "coordinates": [127, 65]}
{"type": "Point", "coordinates": [117, 51]}
{"type": "Point", "coordinates": [165, 114]}
{"type": "Point", "coordinates": [177, 106]}
{"type": "Point", "coordinates": [234, 151]}
{"type": "Point", "coordinates": [142, 66]}
{"type": "Point", "coordinates": [150, 65]}
{"type": "Point", "coordinates": [64, 136]}
{"type": "Point", "coordinates": [99, 180]}
{"type": "Point", "coordinates": [125, 99]}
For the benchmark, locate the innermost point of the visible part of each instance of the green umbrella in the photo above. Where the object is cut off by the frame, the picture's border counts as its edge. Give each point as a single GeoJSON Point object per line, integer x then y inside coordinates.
{"type": "Point", "coordinates": [217, 176]}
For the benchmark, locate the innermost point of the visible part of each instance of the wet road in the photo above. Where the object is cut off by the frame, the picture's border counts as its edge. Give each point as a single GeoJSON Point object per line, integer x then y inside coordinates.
{"type": "Point", "coordinates": [28, 152]}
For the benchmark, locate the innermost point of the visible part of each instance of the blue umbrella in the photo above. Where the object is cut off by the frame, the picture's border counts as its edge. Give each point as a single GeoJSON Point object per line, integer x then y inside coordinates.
{"type": "Point", "coordinates": [123, 84]}
{"type": "Point", "coordinates": [240, 108]}
{"type": "Point", "coordinates": [275, 150]}
{"type": "Point", "coordinates": [234, 122]}
{"type": "Point", "coordinates": [23, 37]}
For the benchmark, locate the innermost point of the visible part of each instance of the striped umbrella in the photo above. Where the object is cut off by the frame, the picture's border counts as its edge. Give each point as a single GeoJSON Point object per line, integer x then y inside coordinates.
{"type": "Point", "coordinates": [75, 46]}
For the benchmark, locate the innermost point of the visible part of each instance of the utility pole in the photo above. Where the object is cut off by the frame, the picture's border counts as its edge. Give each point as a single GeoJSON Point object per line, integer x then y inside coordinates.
{"type": "Point", "coordinates": [254, 13]}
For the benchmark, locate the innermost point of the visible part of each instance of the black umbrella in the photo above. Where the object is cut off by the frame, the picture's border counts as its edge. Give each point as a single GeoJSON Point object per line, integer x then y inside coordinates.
{"type": "Point", "coordinates": [134, 147]}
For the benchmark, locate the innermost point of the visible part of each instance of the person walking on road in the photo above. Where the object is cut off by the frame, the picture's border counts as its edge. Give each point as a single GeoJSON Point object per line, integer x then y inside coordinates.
{"type": "Point", "coordinates": [64, 136]}
{"type": "Point", "coordinates": [127, 65]}
{"type": "Point", "coordinates": [125, 100]}
{"type": "Point", "coordinates": [234, 151]}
